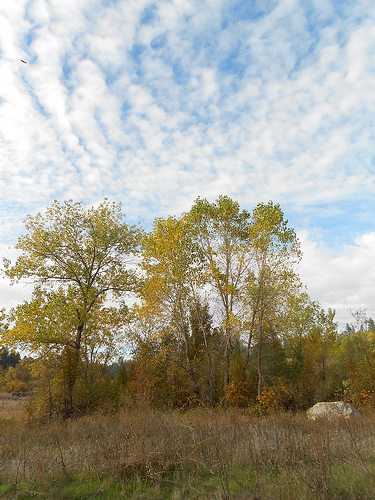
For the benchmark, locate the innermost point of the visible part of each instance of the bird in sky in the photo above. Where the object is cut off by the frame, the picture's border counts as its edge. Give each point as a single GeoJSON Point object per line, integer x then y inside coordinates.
{"type": "Point", "coordinates": [23, 61]}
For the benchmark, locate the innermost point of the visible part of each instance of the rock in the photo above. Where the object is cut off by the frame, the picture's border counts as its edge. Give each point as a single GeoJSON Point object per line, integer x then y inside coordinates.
{"type": "Point", "coordinates": [332, 410]}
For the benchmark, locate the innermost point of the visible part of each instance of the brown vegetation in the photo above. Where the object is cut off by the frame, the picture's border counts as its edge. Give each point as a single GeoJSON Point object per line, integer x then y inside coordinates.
{"type": "Point", "coordinates": [12, 407]}
{"type": "Point", "coordinates": [140, 453]}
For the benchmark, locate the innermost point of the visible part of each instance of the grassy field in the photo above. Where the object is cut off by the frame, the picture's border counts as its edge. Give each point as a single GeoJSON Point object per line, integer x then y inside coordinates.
{"type": "Point", "coordinates": [11, 407]}
{"type": "Point", "coordinates": [141, 453]}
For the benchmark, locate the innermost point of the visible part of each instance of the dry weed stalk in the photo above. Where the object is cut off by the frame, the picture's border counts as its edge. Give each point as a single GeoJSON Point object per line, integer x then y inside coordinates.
{"type": "Point", "coordinates": [258, 455]}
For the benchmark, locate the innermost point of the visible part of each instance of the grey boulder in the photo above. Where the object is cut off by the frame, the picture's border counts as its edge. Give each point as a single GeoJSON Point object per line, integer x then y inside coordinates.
{"type": "Point", "coordinates": [332, 410]}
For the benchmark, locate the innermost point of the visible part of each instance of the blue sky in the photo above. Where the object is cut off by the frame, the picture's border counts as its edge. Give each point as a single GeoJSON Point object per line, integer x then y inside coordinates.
{"type": "Point", "coordinates": [156, 103]}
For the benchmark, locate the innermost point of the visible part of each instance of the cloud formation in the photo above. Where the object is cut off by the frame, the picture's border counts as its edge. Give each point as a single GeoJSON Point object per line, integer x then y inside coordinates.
{"type": "Point", "coordinates": [345, 281]}
{"type": "Point", "coordinates": [156, 103]}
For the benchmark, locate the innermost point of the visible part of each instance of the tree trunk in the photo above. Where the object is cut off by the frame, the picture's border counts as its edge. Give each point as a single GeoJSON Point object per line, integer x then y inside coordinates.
{"type": "Point", "coordinates": [260, 342]}
{"type": "Point", "coordinates": [70, 369]}
{"type": "Point", "coordinates": [227, 353]}
{"type": "Point", "coordinates": [70, 360]}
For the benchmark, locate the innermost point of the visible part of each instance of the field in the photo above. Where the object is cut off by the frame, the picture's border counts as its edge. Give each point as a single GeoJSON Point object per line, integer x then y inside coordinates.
{"type": "Point", "coordinates": [141, 453]}
{"type": "Point", "coordinates": [11, 407]}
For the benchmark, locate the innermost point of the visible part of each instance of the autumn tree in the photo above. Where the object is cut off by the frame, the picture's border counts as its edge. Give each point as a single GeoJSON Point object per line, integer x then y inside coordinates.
{"type": "Point", "coordinates": [310, 342]}
{"type": "Point", "coordinates": [219, 269]}
{"type": "Point", "coordinates": [272, 277]}
{"type": "Point", "coordinates": [356, 359]}
{"type": "Point", "coordinates": [172, 267]}
{"type": "Point", "coordinates": [220, 231]}
{"type": "Point", "coordinates": [77, 259]}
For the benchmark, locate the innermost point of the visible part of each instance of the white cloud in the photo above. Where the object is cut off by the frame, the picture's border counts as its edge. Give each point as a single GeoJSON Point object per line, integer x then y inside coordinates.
{"type": "Point", "coordinates": [198, 99]}
{"type": "Point", "coordinates": [343, 282]}
{"type": "Point", "coordinates": [11, 295]}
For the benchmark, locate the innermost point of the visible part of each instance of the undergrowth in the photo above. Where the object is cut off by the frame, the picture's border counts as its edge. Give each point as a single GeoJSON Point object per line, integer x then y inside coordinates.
{"type": "Point", "coordinates": [141, 453]}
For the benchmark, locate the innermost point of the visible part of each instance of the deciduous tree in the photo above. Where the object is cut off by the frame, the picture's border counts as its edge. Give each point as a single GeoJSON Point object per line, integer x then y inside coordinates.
{"type": "Point", "coordinates": [220, 230]}
{"type": "Point", "coordinates": [77, 258]}
{"type": "Point", "coordinates": [272, 277]}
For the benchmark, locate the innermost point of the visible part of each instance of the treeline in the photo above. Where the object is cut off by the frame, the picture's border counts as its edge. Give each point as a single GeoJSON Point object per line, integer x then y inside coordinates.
{"type": "Point", "coordinates": [219, 315]}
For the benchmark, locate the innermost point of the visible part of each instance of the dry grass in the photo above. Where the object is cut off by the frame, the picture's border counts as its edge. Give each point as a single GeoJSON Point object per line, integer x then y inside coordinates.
{"type": "Point", "coordinates": [12, 407]}
{"type": "Point", "coordinates": [146, 454]}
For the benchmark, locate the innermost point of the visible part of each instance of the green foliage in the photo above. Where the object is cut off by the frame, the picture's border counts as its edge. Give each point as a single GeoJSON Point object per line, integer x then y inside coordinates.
{"type": "Point", "coordinates": [356, 359]}
{"type": "Point", "coordinates": [8, 358]}
{"type": "Point", "coordinates": [310, 345]}
{"type": "Point", "coordinates": [221, 316]}
{"type": "Point", "coordinates": [77, 259]}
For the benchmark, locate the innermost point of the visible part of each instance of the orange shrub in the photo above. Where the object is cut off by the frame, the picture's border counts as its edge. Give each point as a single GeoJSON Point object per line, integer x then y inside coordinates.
{"type": "Point", "coordinates": [236, 395]}
{"type": "Point", "coordinates": [276, 397]}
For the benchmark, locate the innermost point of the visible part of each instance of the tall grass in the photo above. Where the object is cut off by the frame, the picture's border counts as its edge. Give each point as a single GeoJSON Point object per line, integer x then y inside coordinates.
{"type": "Point", "coordinates": [141, 453]}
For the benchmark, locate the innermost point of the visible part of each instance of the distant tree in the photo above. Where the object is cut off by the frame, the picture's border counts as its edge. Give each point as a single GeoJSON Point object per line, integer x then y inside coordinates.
{"type": "Point", "coordinates": [356, 359]}
{"type": "Point", "coordinates": [9, 358]}
{"type": "Point", "coordinates": [361, 323]}
{"type": "Point", "coordinates": [17, 378]}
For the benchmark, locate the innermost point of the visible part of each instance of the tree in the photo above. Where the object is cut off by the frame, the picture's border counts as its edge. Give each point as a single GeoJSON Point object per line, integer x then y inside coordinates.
{"type": "Point", "coordinates": [173, 269]}
{"type": "Point", "coordinates": [9, 359]}
{"type": "Point", "coordinates": [77, 259]}
{"type": "Point", "coordinates": [220, 232]}
{"type": "Point", "coordinates": [356, 359]}
{"type": "Point", "coordinates": [272, 278]}
{"type": "Point", "coordinates": [216, 318]}
{"type": "Point", "coordinates": [310, 344]}
{"type": "Point", "coordinates": [361, 322]}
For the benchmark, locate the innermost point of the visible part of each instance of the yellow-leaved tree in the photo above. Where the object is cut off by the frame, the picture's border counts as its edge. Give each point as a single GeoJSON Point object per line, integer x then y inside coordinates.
{"type": "Point", "coordinates": [173, 273]}
{"type": "Point", "coordinates": [77, 259]}
{"type": "Point", "coordinates": [220, 232]}
{"type": "Point", "coordinates": [272, 278]}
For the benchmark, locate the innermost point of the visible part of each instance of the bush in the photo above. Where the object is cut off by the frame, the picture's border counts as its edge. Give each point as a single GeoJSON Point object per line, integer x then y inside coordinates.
{"type": "Point", "coordinates": [17, 379]}
{"type": "Point", "coordinates": [277, 397]}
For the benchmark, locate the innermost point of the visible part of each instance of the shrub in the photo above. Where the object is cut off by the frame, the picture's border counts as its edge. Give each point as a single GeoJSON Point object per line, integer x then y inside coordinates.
{"type": "Point", "coordinates": [277, 397]}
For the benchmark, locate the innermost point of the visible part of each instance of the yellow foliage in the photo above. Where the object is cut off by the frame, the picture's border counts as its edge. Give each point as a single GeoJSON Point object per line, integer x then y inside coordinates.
{"type": "Point", "coordinates": [15, 386]}
{"type": "Point", "coordinates": [235, 395]}
{"type": "Point", "coordinates": [366, 399]}
{"type": "Point", "coordinates": [276, 397]}
{"type": "Point", "coordinates": [16, 379]}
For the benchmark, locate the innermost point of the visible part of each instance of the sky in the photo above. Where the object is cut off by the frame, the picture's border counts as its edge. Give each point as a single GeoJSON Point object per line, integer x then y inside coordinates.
{"type": "Point", "coordinates": [154, 103]}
